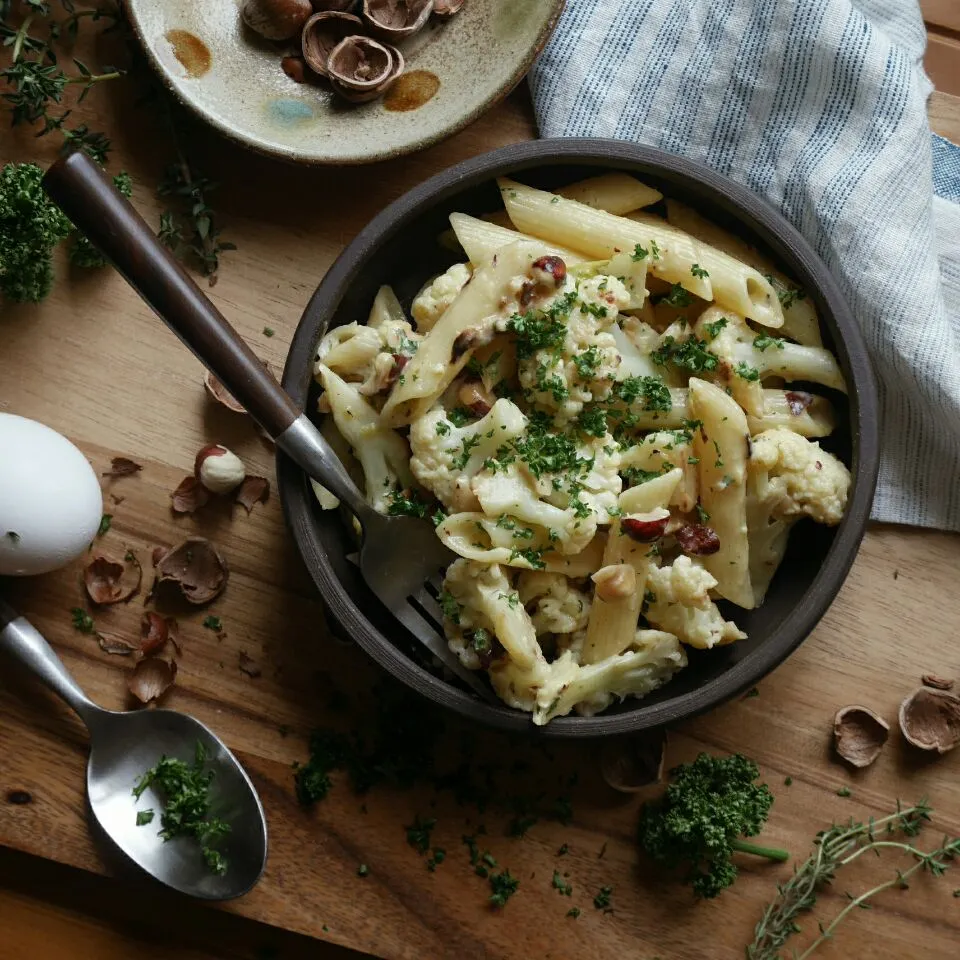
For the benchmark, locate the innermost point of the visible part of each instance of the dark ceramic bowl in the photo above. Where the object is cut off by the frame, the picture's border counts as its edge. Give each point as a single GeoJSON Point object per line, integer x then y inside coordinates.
{"type": "Point", "coordinates": [400, 247]}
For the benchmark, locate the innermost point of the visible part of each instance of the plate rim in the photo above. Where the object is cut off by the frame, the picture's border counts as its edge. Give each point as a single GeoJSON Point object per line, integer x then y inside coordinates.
{"type": "Point", "coordinates": [351, 160]}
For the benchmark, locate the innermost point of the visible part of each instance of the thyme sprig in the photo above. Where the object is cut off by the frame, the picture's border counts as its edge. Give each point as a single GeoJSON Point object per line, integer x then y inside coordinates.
{"type": "Point", "coordinates": [837, 847]}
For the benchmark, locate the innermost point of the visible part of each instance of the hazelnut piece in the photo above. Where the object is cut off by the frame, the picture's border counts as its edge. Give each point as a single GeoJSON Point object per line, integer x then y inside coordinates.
{"type": "Point", "coordinates": [394, 20]}
{"type": "Point", "coordinates": [322, 32]}
{"type": "Point", "coordinates": [218, 469]}
{"type": "Point", "coordinates": [475, 398]}
{"type": "Point", "coordinates": [276, 19]}
{"type": "Point", "coordinates": [616, 581]}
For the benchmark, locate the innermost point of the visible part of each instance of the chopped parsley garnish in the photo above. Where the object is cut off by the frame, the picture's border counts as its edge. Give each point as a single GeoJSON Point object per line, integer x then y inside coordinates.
{"type": "Point", "coordinates": [268, 331]}
{"type": "Point", "coordinates": [82, 620]}
{"type": "Point", "coordinates": [554, 384]}
{"type": "Point", "coordinates": [213, 623]}
{"type": "Point", "coordinates": [654, 250]}
{"type": "Point", "coordinates": [699, 272]}
{"type": "Point", "coordinates": [461, 460]}
{"type": "Point", "coordinates": [764, 340]}
{"type": "Point", "coordinates": [105, 522]}
{"type": "Point", "coordinates": [480, 641]}
{"type": "Point", "coordinates": [787, 296]}
{"type": "Point", "coordinates": [363, 870]}
{"type": "Point", "coordinates": [328, 752]}
{"type": "Point", "coordinates": [639, 253]}
{"type": "Point", "coordinates": [592, 421]}
{"type": "Point", "coordinates": [564, 850]}
{"type": "Point", "coordinates": [587, 362]}
{"type": "Point", "coordinates": [449, 605]}
{"type": "Point", "coordinates": [542, 329]}
{"type": "Point", "coordinates": [407, 346]}
{"type": "Point", "coordinates": [460, 416]}
{"type": "Point", "coordinates": [691, 354]}
{"type": "Point", "coordinates": [439, 855]}
{"type": "Point", "coordinates": [677, 297]}
{"type": "Point", "coordinates": [563, 887]}
{"type": "Point", "coordinates": [532, 556]}
{"type": "Point", "coordinates": [595, 310]}
{"type": "Point", "coordinates": [635, 475]}
{"type": "Point", "coordinates": [602, 900]}
{"type": "Point", "coordinates": [746, 372]}
{"type": "Point", "coordinates": [443, 428]}
{"type": "Point", "coordinates": [513, 599]}
{"type": "Point", "coordinates": [713, 329]}
{"type": "Point", "coordinates": [654, 393]}
{"type": "Point", "coordinates": [474, 367]}
{"type": "Point", "coordinates": [419, 832]}
{"type": "Point", "coordinates": [503, 887]}
{"type": "Point", "coordinates": [649, 597]}
{"type": "Point", "coordinates": [144, 817]}
{"type": "Point", "coordinates": [184, 790]}
{"type": "Point", "coordinates": [573, 912]}
{"type": "Point", "coordinates": [844, 792]}
{"type": "Point", "coordinates": [702, 514]}
{"type": "Point", "coordinates": [407, 503]}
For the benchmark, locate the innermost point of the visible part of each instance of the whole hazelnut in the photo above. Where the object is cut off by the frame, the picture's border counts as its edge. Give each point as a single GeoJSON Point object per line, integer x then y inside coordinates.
{"type": "Point", "coordinates": [617, 581]}
{"type": "Point", "coordinates": [276, 19]}
{"type": "Point", "coordinates": [219, 470]}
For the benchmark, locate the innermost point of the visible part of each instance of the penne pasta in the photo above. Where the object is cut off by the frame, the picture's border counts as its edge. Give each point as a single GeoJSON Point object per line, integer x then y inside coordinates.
{"type": "Point", "coordinates": [481, 239]}
{"type": "Point", "coordinates": [617, 193]}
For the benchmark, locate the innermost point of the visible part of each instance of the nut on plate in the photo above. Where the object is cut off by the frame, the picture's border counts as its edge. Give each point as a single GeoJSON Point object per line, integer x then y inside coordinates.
{"type": "Point", "coordinates": [321, 34]}
{"type": "Point", "coordinates": [859, 735]}
{"type": "Point", "coordinates": [361, 69]}
{"type": "Point", "coordinates": [219, 469]}
{"type": "Point", "coordinates": [276, 19]}
{"type": "Point", "coordinates": [394, 20]}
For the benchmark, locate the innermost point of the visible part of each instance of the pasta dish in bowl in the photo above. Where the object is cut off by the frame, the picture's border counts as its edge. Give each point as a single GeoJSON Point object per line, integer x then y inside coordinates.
{"type": "Point", "coordinates": [615, 409]}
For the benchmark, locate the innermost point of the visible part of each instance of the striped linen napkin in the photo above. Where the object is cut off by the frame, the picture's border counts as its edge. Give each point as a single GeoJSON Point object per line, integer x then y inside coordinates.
{"type": "Point", "coordinates": [819, 106]}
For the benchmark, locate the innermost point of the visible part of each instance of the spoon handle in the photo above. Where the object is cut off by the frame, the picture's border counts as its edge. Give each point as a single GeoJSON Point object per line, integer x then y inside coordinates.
{"type": "Point", "coordinates": [23, 642]}
{"type": "Point", "coordinates": [82, 190]}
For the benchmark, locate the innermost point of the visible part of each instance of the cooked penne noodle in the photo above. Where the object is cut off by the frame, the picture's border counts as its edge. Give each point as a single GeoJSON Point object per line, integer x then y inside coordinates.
{"type": "Point", "coordinates": [617, 193]}
{"type": "Point", "coordinates": [481, 240]}
{"type": "Point", "coordinates": [804, 413]}
{"type": "Point", "coordinates": [720, 444]}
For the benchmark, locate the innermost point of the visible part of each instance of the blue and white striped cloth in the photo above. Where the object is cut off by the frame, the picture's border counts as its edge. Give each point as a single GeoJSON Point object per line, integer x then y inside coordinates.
{"type": "Point", "coordinates": [819, 106]}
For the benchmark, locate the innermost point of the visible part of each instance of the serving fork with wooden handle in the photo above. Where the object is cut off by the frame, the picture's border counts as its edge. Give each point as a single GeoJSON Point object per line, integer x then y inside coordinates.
{"type": "Point", "coordinates": [401, 558]}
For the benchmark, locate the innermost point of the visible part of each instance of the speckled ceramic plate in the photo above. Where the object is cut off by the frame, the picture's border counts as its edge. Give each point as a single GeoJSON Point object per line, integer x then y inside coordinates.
{"type": "Point", "coordinates": [233, 79]}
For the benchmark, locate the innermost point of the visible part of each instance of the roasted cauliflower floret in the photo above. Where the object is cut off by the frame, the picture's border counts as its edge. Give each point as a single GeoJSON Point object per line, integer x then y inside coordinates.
{"type": "Point", "coordinates": [566, 351]}
{"type": "Point", "coordinates": [431, 302]}
{"type": "Point", "coordinates": [678, 601]}
{"type": "Point", "coordinates": [794, 477]}
{"type": "Point", "coordinates": [554, 603]}
{"type": "Point", "coordinates": [447, 457]}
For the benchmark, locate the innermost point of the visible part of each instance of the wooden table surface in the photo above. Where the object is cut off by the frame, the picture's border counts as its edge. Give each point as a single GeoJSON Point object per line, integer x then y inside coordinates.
{"type": "Point", "coordinates": [109, 377]}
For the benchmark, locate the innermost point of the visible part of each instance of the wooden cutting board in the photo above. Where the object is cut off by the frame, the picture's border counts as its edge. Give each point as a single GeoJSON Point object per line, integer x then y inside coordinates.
{"type": "Point", "coordinates": [96, 365]}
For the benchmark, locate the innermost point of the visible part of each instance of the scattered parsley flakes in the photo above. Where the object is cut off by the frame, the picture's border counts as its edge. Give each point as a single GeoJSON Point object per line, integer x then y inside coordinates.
{"type": "Point", "coordinates": [677, 297]}
{"type": "Point", "coordinates": [699, 272]}
{"type": "Point", "coordinates": [690, 354]}
{"type": "Point", "coordinates": [460, 416]}
{"type": "Point", "coordinates": [503, 887]}
{"type": "Point", "coordinates": [713, 329]}
{"type": "Point", "coordinates": [105, 522]}
{"type": "Point", "coordinates": [268, 331]}
{"type": "Point", "coordinates": [702, 514]}
{"type": "Point", "coordinates": [654, 250]}
{"type": "Point", "coordinates": [573, 912]}
{"type": "Point", "coordinates": [764, 340]}
{"type": "Point", "coordinates": [587, 362]}
{"type": "Point", "coordinates": [213, 623]}
{"type": "Point", "coordinates": [564, 850]}
{"type": "Point", "coordinates": [363, 870]}
{"type": "Point", "coordinates": [602, 900]}
{"type": "Point", "coordinates": [144, 817]}
{"type": "Point", "coordinates": [592, 421]}
{"type": "Point", "coordinates": [563, 887]}
{"type": "Point", "coordinates": [654, 393]}
{"type": "Point", "coordinates": [639, 253]}
{"type": "Point", "coordinates": [449, 605]}
{"type": "Point", "coordinates": [443, 428]}
{"type": "Point", "coordinates": [787, 781]}
{"type": "Point", "coordinates": [746, 372]}
{"type": "Point", "coordinates": [461, 460]}
{"type": "Point", "coordinates": [439, 855]}
{"type": "Point", "coordinates": [419, 832]}
{"type": "Point", "coordinates": [844, 792]}
{"type": "Point", "coordinates": [82, 620]}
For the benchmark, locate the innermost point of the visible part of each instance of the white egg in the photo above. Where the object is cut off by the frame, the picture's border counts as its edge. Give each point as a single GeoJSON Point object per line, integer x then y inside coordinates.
{"type": "Point", "coordinates": [50, 499]}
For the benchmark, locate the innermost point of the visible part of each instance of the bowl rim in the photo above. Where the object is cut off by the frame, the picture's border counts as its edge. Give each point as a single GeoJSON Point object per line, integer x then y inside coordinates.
{"type": "Point", "coordinates": [786, 243]}
{"type": "Point", "coordinates": [260, 146]}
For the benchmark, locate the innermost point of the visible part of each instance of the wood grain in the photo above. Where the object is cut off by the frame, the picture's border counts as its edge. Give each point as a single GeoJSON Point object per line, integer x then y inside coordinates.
{"type": "Point", "coordinates": [942, 61]}
{"type": "Point", "coordinates": [94, 363]}
{"type": "Point", "coordinates": [942, 13]}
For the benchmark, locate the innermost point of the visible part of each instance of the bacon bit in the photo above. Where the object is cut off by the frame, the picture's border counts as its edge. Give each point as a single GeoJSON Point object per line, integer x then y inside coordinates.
{"type": "Point", "coordinates": [110, 581]}
{"type": "Point", "coordinates": [154, 632]}
{"type": "Point", "coordinates": [938, 683]}
{"type": "Point", "coordinates": [465, 340]}
{"type": "Point", "coordinates": [644, 531]}
{"type": "Point", "coordinates": [122, 467]}
{"type": "Point", "coordinates": [220, 393]}
{"type": "Point", "coordinates": [473, 396]}
{"type": "Point", "coordinates": [697, 540]}
{"type": "Point", "coordinates": [400, 360]}
{"type": "Point", "coordinates": [151, 678]}
{"type": "Point", "coordinates": [818, 464]}
{"type": "Point", "coordinates": [189, 496]}
{"type": "Point", "coordinates": [798, 401]}
{"type": "Point", "coordinates": [115, 645]}
{"type": "Point", "coordinates": [196, 568]}
{"type": "Point", "coordinates": [248, 665]}
{"type": "Point", "coordinates": [548, 271]}
{"type": "Point", "coordinates": [527, 293]}
{"type": "Point", "coordinates": [158, 554]}
{"type": "Point", "coordinates": [253, 490]}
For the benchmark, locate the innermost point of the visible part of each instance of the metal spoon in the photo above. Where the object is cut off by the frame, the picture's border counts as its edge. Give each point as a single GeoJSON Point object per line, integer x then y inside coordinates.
{"type": "Point", "coordinates": [123, 746]}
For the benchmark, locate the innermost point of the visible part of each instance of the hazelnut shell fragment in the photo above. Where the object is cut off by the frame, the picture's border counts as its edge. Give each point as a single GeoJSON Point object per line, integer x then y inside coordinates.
{"type": "Point", "coordinates": [859, 735]}
{"type": "Point", "coordinates": [155, 630]}
{"type": "Point", "coordinates": [395, 20]}
{"type": "Point", "coordinates": [930, 719]}
{"type": "Point", "coordinates": [248, 665]}
{"type": "Point", "coordinates": [109, 643]}
{"type": "Point", "coordinates": [322, 33]}
{"type": "Point", "coordinates": [938, 683]}
{"type": "Point", "coordinates": [122, 467]}
{"type": "Point", "coordinates": [360, 69]}
{"type": "Point", "coordinates": [109, 581]}
{"type": "Point", "coordinates": [151, 678]}
{"type": "Point", "coordinates": [220, 393]}
{"type": "Point", "coordinates": [630, 764]}
{"type": "Point", "coordinates": [189, 496]}
{"type": "Point", "coordinates": [447, 8]}
{"type": "Point", "coordinates": [276, 19]}
{"type": "Point", "coordinates": [253, 490]}
{"type": "Point", "coordinates": [196, 568]}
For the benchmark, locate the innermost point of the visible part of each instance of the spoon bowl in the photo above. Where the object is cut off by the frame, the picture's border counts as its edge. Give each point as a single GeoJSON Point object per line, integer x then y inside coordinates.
{"type": "Point", "coordinates": [123, 746]}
